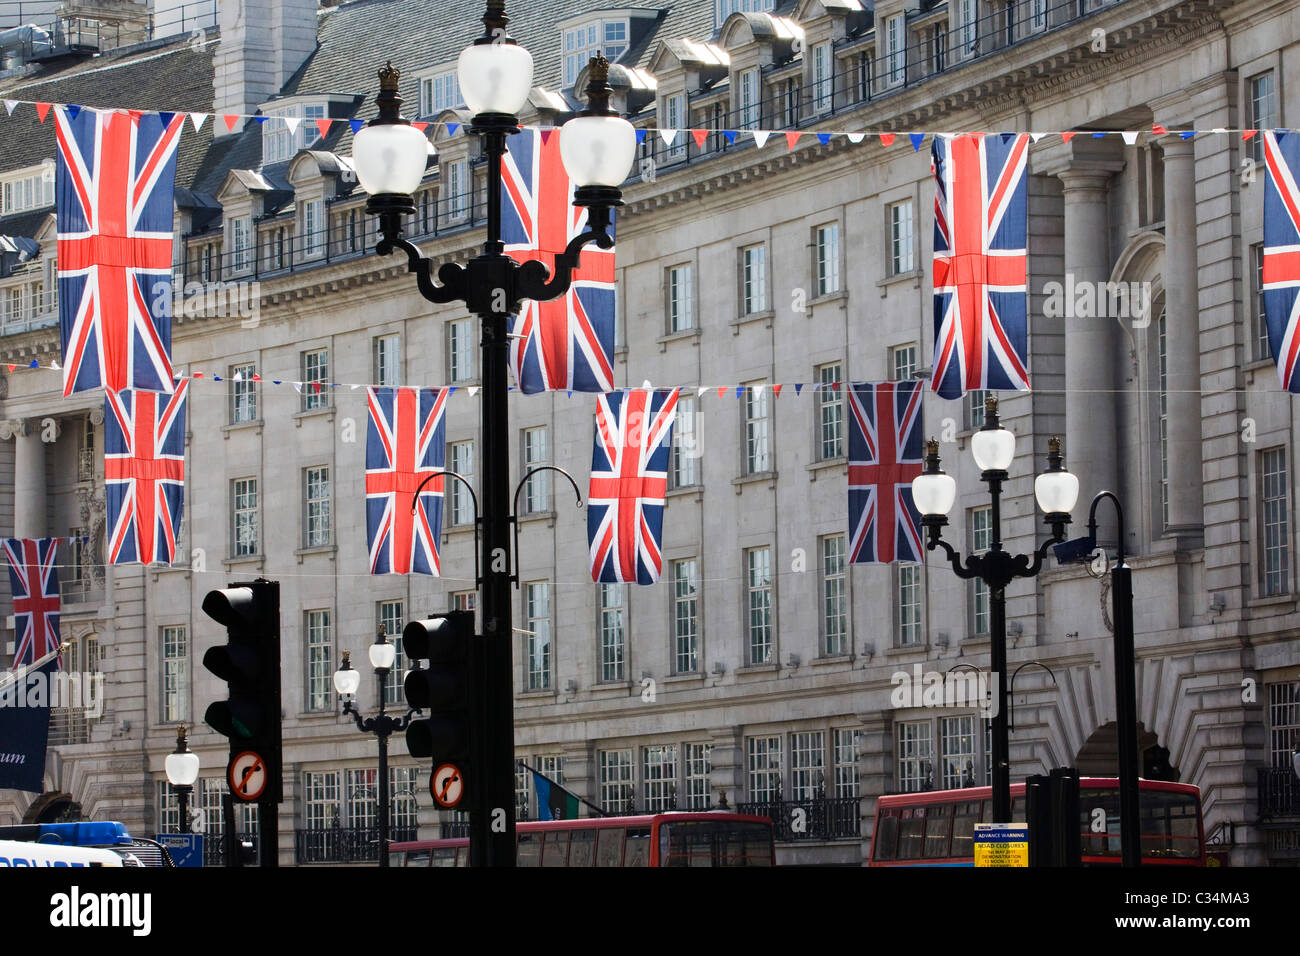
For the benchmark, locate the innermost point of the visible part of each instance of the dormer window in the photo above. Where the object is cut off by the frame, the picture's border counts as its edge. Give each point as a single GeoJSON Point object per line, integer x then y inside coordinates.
{"type": "Point", "coordinates": [439, 92]}
{"type": "Point", "coordinates": [582, 42]}
{"type": "Point", "coordinates": [725, 8]}
{"type": "Point", "coordinates": [279, 143]}
{"type": "Point", "coordinates": [31, 188]}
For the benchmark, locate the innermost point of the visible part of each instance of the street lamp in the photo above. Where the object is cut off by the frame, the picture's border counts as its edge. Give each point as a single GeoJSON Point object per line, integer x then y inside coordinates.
{"type": "Point", "coordinates": [346, 681]}
{"type": "Point", "coordinates": [934, 494]}
{"type": "Point", "coordinates": [182, 767]}
{"type": "Point", "coordinates": [597, 148]}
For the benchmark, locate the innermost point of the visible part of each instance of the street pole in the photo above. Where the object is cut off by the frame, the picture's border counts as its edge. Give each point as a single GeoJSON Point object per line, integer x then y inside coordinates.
{"type": "Point", "coordinates": [383, 771]}
{"type": "Point", "coordinates": [1001, 743]}
{"type": "Point", "coordinates": [183, 794]}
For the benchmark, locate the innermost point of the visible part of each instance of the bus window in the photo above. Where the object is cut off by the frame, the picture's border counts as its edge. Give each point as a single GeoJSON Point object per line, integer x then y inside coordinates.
{"type": "Point", "coordinates": [938, 829]}
{"type": "Point", "coordinates": [530, 848]}
{"type": "Point", "coordinates": [885, 840]}
{"type": "Point", "coordinates": [556, 851]}
{"type": "Point", "coordinates": [609, 847]}
{"type": "Point", "coordinates": [911, 829]}
{"type": "Point", "coordinates": [420, 857]}
{"type": "Point", "coordinates": [638, 847]}
{"type": "Point", "coordinates": [1169, 824]}
{"type": "Point", "coordinates": [965, 816]}
{"type": "Point", "coordinates": [462, 856]}
{"type": "Point", "coordinates": [442, 856]}
{"type": "Point", "coordinates": [582, 848]}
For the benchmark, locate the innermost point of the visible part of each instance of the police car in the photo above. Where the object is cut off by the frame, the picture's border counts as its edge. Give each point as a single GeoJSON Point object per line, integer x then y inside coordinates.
{"type": "Point", "coordinates": [109, 837]}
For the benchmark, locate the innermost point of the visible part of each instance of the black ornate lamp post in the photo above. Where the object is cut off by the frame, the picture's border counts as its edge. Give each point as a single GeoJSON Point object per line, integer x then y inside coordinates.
{"type": "Point", "coordinates": [346, 681]}
{"type": "Point", "coordinates": [182, 768]}
{"type": "Point", "coordinates": [597, 148]}
{"type": "Point", "coordinates": [934, 493]}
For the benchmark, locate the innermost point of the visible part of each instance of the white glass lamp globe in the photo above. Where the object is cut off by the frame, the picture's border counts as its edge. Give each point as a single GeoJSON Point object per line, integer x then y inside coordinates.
{"type": "Point", "coordinates": [495, 77]}
{"type": "Point", "coordinates": [346, 681]}
{"type": "Point", "coordinates": [934, 494]}
{"type": "Point", "coordinates": [993, 448]}
{"type": "Point", "coordinates": [598, 150]}
{"type": "Point", "coordinates": [389, 158]}
{"type": "Point", "coordinates": [182, 769]}
{"type": "Point", "coordinates": [1057, 492]}
{"type": "Point", "coordinates": [383, 656]}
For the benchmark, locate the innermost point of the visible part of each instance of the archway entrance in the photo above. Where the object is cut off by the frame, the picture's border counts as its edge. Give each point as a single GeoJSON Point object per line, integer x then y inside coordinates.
{"type": "Point", "coordinates": [54, 807]}
{"type": "Point", "coordinates": [1099, 755]}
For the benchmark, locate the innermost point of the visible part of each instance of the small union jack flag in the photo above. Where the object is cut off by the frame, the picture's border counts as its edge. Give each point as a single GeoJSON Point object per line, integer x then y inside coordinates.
{"type": "Point", "coordinates": [629, 478]}
{"type": "Point", "coordinates": [114, 181]}
{"type": "Point", "coordinates": [406, 445]}
{"type": "Point", "coordinates": [980, 264]}
{"type": "Point", "coordinates": [567, 343]}
{"type": "Point", "coordinates": [885, 452]}
{"type": "Point", "coordinates": [34, 578]}
{"type": "Point", "coordinates": [144, 473]}
{"type": "Point", "coordinates": [1281, 285]}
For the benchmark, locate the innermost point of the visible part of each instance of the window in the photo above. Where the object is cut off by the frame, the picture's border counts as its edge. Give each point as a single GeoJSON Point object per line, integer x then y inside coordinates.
{"type": "Point", "coordinates": [675, 119]}
{"type": "Point", "coordinates": [388, 360]}
{"type": "Point", "coordinates": [807, 765]}
{"type": "Point", "coordinates": [1162, 398]}
{"type": "Point", "coordinates": [748, 105]}
{"type": "Point", "coordinates": [793, 90]}
{"type": "Point", "coordinates": [957, 740]}
{"type": "Point", "coordinates": [981, 539]}
{"type": "Point", "coordinates": [175, 675]}
{"type": "Point", "coordinates": [823, 77]}
{"type": "Point", "coordinates": [758, 603]}
{"type": "Point", "coordinates": [403, 783]}
{"type": "Point", "coordinates": [1263, 110]}
{"type": "Point", "coordinates": [462, 463]}
{"type": "Point", "coordinates": [456, 191]}
{"type": "Point", "coordinates": [312, 228]}
{"type": "Point", "coordinates": [659, 778]}
{"type": "Point", "coordinates": [1283, 722]}
{"type": "Point", "coordinates": [938, 47]}
{"type": "Point", "coordinates": [763, 755]}
{"type": "Point", "coordinates": [460, 350]}
{"type": "Point", "coordinates": [847, 743]}
{"type": "Point", "coordinates": [1275, 563]}
{"type": "Point", "coordinates": [315, 379]}
{"type": "Point", "coordinates": [830, 412]}
{"type": "Point", "coordinates": [362, 805]}
{"type": "Point", "coordinates": [835, 596]}
{"type": "Point", "coordinates": [241, 243]}
{"type": "Point", "coordinates": [1262, 349]}
{"type": "Point", "coordinates": [725, 8]}
{"type": "Point", "coordinates": [523, 792]}
{"type": "Point", "coordinates": [914, 756]}
{"type": "Point", "coordinates": [349, 229]}
{"type": "Point", "coordinates": [538, 624]}
{"type": "Point", "coordinates": [901, 247]}
{"type": "Point", "coordinates": [976, 399]}
{"type": "Point", "coordinates": [1038, 15]}
{"type": "Point", "coordinates": [907, 605]}
{"type": "Point", "coordinates": [584, 41]}
{"type": "Point", "coordinates": [758, 446]}
{"type": "Point", "coordinates": [321, 799]}
{"type": "Point", "coordinates": [390, 618]}
{"type": "Point", "coordinates": [699, 765]}
{"type": "Point", "coordinates": [320, 654]}
{"type": "Point", "coordinates": [243, 510]}
{"type": "Point", "coordinates": [686, 444]}
{"type": "Point", "coordinates": [866, 74]}
{"type": "Point", "coordinates": [279, 142]}
{"type": "Point", "coordinates": [440, 92]}
{"type": "Point", "coordinates": [615, 779]}
{"type": "Point", "coordinates": [613, 631]}
{"type": "Point", "coordinates": [243, 394]}
{"type": "Point", "coordinates": [463, 600]}
{"type": "Point", "coordinates": [965, 28]}
{"type": "Point", "coordinates": [902, 362]}
{"type": "Point", "coordinates": [753, 279]}
{"type": "Point", "coordinates": [828, 258]}
{"type": "Point", "coordinates": [895, 50]}
{"type": "Point", "coordinates": [681, 299]}
{"type": "Point", "coordinates": [686, 647]}
{"type": "Point", "coordinates": [32, 188]}
{"type": "Point", "coordinates": [316, 504]}
{"type": "Point", "coordinates": [537, 491]}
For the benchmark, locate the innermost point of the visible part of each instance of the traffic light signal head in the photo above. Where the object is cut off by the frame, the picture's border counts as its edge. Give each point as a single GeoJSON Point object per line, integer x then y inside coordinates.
{"type": "Point", "coordinates": [444, 690]}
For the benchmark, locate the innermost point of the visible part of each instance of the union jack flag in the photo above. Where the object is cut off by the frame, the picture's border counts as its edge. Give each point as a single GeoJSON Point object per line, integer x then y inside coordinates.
{"type": "Point", "coordinates": [144, 473]}
{"type": "Point", "coordinates": [1281, 285]}
{"type": "Point", "coordinates": [34, 578]}
{"type": "Point", "coordinates": [114, 179]}
{"type": "Point", "coordinates": [629, 477]}
{"type": "Point", "coordinates": [405, 445]}
{"type": "Point", "coordinates": [885, 452]}
{"type": "Point", "coordinates": [980, 265]}
{"type": "Point", "coordinates": [567, 343]}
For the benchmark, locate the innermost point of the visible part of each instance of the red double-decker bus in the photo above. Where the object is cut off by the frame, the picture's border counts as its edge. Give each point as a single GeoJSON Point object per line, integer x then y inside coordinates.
{"type": "Point", "coordinates": [937, 828]}
{"type": "Point", "coordinates": [707, 838]}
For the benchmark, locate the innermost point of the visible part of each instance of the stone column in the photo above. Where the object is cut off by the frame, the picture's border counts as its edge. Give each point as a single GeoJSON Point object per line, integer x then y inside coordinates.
{"type": "Point", "coordinates": [1090, 449]}
{"type": "Point", "coordinates": [1182, 339]}
{"type": "Point", "coordinates": [727, 766]}
{"type": "Point", "coordinates": [29, 480]}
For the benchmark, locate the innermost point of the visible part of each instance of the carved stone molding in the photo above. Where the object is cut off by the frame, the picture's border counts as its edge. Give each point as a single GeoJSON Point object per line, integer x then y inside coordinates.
{"type": "Point", "coordinates": [11, 427]}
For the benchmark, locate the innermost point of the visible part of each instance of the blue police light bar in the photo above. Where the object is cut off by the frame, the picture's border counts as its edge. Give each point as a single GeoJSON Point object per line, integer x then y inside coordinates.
{"type": "Point", "coordinates": [99, 833]}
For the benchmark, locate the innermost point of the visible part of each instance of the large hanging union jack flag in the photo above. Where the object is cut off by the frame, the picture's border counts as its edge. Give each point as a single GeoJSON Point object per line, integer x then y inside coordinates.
{"type": "Point", "coordinates": [405, 445]}
{"type": "Point", "coordinates": [144, 473]}
{"type": "Point", "coordinates": [629, 478]}
{"type": "Point", "coordinates": [114, 181]}
{"type": "Point", "coordinates": [885, 451]}
{"type": "Point", "coordinates": [34, 579]}
{"type": "Point", "coordinates": [1281, 279]}
{"type": "Point", "coordinates": [567, 343]}
{"type": "Point", "coordinates": [980, 266]}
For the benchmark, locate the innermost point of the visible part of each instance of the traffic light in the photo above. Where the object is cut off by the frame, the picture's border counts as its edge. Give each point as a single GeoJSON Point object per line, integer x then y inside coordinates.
{"type": "Point", "coordinates": [250, 665]}
{"type": "Point", "coordinates": [447, 692]}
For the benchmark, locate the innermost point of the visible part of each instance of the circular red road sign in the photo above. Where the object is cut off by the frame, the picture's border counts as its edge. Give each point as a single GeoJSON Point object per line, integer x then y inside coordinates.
{"type": "Point", "coordinates": [447, 785]}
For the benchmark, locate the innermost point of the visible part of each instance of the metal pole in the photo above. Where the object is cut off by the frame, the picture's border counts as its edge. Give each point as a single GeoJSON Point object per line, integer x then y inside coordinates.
{"type": "Point", "coordinates": [998, 671]}
{"type": "Point", "coordinates": [184, 795]}
{"type": "Point", "coordinates": [382, 734]}
{"type": "Point", "coordinates": [1121, 589]}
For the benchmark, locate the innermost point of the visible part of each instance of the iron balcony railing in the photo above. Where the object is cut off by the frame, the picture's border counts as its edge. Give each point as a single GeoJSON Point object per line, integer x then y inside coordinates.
{"type": "Point", "coordinates": [344, 844]}
{"type": "Point", "coordinates": [1279, 793]}
{"type": "Point", "coordinates": [815, 819]}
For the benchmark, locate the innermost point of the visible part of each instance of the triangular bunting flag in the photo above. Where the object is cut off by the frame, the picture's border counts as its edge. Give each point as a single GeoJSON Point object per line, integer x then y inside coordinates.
{"type": "Point", "coordinates": [758, 389]}
{"type": "Point", "coordinates": [297, 387]}
{"type": "Point", "coordinates": [354, 386]}
{"type": "Point", "coordinates": [1246, 134]}
{"type": "Point", "coordinates": [823, 138]}
{"type": "Point", "coordinates": [260, 120]}
{"type": "Point", "coordinates": [197, 119]}
{"type": "Point", "coordinates": [10, 106]}
{"type": "Point", "coordinates": [1036, 136]}
{"type": "Point", "coordinates": [699, 391]}
{"type": "Point", "coordinates": [324, 126]}
{"type": "Point", "coordinates": [740, 391]}
{"type": "Point", "coordinates": [293, 123]}
{"type": "Point", "coordinates": [450, 392]}
{"type": "Point", "coordinates": [1099, 134]}
{"type": "Point", "coordinates": [917, 139]}
{"type": "Point", "coordinates": [1187, 133]}
{"type": "Point", "coordinates": [1066, 137]}
{"type": "Point", "coordinates": [472, 389]}
{"type": "Point", "coordinates": [700, 135]}
{"type": "Point", "coordinates": [34, 364]}
{"type": "Point", "coordinates": [798, 387]}
{"type": "Point", "coordinates": [356, 125]}
{"type": "Point", "coordinates": [640, 136]}
{"type": "Point", "coordinates": [42, 110]}
{"type": "Point", "coordinates": [197, 374]}
{"type": "Point", "coordinates": [230, 119]}
{"type": "Point", "coordinates": [1158, 129]}
{"type": "Point", "coordinates": [776, 390]}
{"type": "Point", "coordinates": [856, 138]}
{"type": "Point", "coordinates": [722, 391]}
{"type": "Point", "coordinates": [570, 391]}
{"type": "Point", "coordinates": [54, 364]}
{"type": "Point", "coordinates": [216, 378]}
{"type": "Point", "coordinates": [886, 139]}
{"type": "Point", "coordinates": [760, 137]}
{"type": "Point", "coordinates": [72, 110]}
{"type": "Point", "coordinates": [731, 136]}
{"type": "Point", "coordinates": [276, 381]}
{"type": "Point", "coordinates": [12, 367]}
{"type": "Point", "coordinates": [1130, 137]}
{"type": "Point", "coordinates": [547, 132]}
{"type": "Point", "coordinates": [421, 126]}
{"type": "Point", "coordinates": [237, 377]}
{"type": "Point", "coordinates": [791, 139]}
{"type": "Point", "coordinates": [452, 128]}
{"type": "Point", "coordinates": [166, 119]}
{"type": "Point", "coordinates": [258, 378]}
{"type": "Point", "coordinates": [668, 135]}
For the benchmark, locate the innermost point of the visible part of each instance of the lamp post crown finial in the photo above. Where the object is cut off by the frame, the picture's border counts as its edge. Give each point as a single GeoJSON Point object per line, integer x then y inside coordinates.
{"type": "Point", "coordinates": [931, 447]}
{"type": "Point", "coordinates": [389, 76]}
{"type": "Point", "coordinates": [598, 89]}
{"type": "Point", "coordinates": [991, 403]}
{"type": "Point", "coordinates": [1054, 445]}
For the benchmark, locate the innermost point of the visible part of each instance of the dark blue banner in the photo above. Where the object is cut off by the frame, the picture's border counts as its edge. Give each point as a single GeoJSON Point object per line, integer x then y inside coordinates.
{"type": "Point", "coordinates": [24, 728]}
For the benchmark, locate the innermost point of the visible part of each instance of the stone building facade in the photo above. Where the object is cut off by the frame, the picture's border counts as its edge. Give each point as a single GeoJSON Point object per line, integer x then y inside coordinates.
{"type": "Point", "coordinates": [761, 667]}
